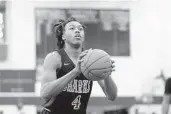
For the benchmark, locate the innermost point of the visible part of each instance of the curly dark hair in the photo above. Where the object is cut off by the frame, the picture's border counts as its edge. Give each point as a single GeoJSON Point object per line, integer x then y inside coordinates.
{"type": "Point", "coordinates": [59, 28]}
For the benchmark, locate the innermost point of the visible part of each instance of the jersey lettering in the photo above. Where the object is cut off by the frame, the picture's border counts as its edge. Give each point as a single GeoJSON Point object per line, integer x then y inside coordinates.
{"type": "Point", "coordinates": [75, 86]}
{"type": "Point", "coordinates": [69, 88]}
{"type": "Point", "coordinates": [85, 84]}
{"type": "Point", "coordinates": [78, 86]}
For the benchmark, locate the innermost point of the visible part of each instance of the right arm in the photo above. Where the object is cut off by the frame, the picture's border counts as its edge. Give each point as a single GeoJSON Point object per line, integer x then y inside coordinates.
{"type": "Point", "coordinates": [166, 97]}
{"type": "Point", "coordinates": [166, 103]}
{"type": "Point", "coordinates": [50, 86]}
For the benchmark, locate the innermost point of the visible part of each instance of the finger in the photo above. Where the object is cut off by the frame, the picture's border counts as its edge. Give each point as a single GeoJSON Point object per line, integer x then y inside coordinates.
{"type": "Point", "coordinates": [82, 55]}
{"type": "Point", "coordinates": [86, 51]}
{"type": "Point", "coordinates": [113, 69]}
{"type": "Point", "coordinates": [80, 61]}
{"type": "Point", "coordinates": [113, 61]}
{"type": "Point", "coordinates": [113, 66]}
{"type": "Point", "coordinates": [109, 73]}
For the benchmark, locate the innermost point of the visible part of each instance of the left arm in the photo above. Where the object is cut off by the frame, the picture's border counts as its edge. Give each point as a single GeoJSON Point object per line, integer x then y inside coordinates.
{"type": "Point", "coordinates": [109, 88]}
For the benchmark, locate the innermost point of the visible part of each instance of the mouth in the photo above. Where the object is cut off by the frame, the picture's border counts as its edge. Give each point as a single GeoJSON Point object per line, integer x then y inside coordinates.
{"type": "Point", "coordinates": [77, 36]}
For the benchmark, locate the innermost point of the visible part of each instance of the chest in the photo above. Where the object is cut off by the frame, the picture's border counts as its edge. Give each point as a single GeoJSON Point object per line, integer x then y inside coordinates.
{"type": "Point", "coordinates": [73, 60]}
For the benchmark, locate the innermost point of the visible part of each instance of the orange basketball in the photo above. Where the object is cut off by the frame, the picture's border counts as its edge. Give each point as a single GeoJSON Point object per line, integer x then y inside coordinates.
{"type": "Point", "coordinates": [96, 65]}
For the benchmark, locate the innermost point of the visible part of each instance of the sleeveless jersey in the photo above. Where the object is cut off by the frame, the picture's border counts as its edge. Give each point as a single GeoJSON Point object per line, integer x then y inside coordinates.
{"type": "Point", "coordinates": [75, 96]}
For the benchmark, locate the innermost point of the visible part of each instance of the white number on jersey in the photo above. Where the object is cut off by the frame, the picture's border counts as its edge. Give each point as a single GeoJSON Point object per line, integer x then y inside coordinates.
{"type": "Point", "coordinates": [76, 102]}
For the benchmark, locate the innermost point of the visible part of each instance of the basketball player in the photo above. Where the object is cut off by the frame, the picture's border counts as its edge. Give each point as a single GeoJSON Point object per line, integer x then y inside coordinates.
{"type": "Point", "coordinates": [64, 87]}
{"type": "Point", "coordinates": [166, 97]}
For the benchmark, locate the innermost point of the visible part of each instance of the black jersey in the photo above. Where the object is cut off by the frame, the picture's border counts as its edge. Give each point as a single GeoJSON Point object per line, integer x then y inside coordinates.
{"type": "Point", "coordinates": [75, 96]}
{"type": "Point", "coordinates": [168, 86]}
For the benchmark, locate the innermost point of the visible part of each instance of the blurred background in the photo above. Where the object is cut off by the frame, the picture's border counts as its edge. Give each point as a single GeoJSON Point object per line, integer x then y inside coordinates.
{"type": "Point", "coordinates": [136, 33]}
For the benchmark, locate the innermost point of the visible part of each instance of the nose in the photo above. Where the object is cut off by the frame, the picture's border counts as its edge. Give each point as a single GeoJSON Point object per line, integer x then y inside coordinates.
{"type": "Point", "coordinates": [77, 30]}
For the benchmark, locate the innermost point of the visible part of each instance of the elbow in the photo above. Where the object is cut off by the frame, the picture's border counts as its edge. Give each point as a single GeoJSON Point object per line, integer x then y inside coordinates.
{"type": "Point", "coordinates": [44, 95]}
{"type": "Point", "coordinates": [113, 97]}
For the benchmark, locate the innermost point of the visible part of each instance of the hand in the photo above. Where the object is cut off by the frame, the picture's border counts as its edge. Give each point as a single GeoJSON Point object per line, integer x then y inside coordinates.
{"type": "Point", "coordinates": [80, 60]}
{"type": "Point", "coordinates": [112, 69]}
{"type": "Point", "coordinates": [113, 65]}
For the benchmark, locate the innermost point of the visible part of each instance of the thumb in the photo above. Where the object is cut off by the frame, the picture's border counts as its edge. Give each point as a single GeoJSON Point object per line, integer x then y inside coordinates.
{"type": "Point", "coordinates": [80, 61]}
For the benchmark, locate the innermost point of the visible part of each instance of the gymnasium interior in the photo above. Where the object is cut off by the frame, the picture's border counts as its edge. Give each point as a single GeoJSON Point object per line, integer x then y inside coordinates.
{"type": "Point", "coordinates": [135, 33]}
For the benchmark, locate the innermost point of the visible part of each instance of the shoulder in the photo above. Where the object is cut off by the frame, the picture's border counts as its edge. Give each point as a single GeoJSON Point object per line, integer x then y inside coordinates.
{"type": "Point", "coordinates": [168, 81]}
{"type": "Point", "coordinates": [52, 60]}
{"type": "Point", "coordinates": [168, 86]}
{"type": "Point", "coordinates": [53, 55]}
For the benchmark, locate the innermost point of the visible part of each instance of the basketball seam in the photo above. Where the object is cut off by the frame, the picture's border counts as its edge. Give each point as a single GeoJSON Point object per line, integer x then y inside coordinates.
{"type": "Point", "coordinates": [100, 68]}
{"type": "Point", "coordinates": [94, 62]}
{"type": "Point", "coordinates": [94, 75]}
{"type": "Point", "coordinates": [88, 58]}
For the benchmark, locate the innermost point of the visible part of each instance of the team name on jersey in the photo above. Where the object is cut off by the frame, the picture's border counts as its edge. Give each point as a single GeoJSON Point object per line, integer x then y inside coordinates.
{"type": "Point", "coordinates": [78, 86]}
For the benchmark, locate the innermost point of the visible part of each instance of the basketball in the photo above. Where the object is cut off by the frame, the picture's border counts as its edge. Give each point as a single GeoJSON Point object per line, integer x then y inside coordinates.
{"type": "Point", "coordinates": [96, 65]}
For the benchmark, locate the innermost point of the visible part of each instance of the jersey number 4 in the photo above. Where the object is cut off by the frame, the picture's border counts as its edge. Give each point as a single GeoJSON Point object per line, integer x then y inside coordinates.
{"type": "Point", "coordinates": [77, 102]}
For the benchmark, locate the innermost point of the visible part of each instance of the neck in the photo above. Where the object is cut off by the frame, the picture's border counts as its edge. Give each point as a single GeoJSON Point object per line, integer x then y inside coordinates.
{"type": "Point", "coordinates": [73, 51]}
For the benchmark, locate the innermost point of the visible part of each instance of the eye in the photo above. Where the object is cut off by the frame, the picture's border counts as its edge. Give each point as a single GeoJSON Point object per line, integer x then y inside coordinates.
{"type": "Point", "coordinates": [81, 28]}
{"type": "Point", "coordinates": [72, 28]}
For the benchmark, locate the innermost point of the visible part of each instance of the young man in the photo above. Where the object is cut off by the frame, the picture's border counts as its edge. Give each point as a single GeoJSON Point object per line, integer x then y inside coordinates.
{"type": "Point", "coordinates": [64, 87]}
{"type": "Point", "coordinates": [166, 97]}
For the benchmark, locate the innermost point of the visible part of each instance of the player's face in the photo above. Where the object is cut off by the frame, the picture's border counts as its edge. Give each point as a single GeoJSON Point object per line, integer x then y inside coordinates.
{"type": "Point", "coordinates": [74, 33]}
